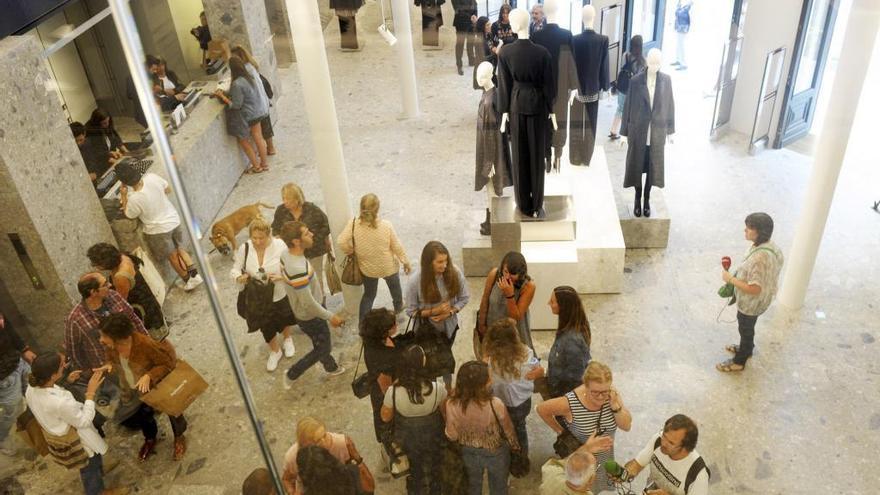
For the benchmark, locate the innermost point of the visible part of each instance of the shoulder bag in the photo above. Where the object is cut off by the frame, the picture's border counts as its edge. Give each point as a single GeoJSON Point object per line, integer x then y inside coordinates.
{"type": "Point", "coordinates": [67, 450]}
{"type": "Point", "coordinates": [367, 484]}
{"type": "Point", "coordinates": [519, 461]}
{"type": "Point", "coordinates": [351, 272]}
{"type": "Point", "coordinates": [241, 303]}
{"type": "Point", "coordinates": [361, 384]}
{"type": "Point", "coordinates": [255, 300]}
{"type": "Point", "coordinates": [727, 290]}
{"type": "Point", "coordinates": [623, 77]}
{"type": "Point", "coordinates": [438, 348]}
{"type": "Point", "coordinates": [334, 284]}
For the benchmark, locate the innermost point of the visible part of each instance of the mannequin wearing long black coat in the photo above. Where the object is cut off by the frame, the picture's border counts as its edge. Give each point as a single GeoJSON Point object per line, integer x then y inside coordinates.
{"type": "Point", "coordinates": [557, 41]}
{"type": "Point", "coordinates": [527, 90]}
{"type": "Point", "coordinates": [591, 59]}
{"type": "Point", "coordinates": [641, 117]}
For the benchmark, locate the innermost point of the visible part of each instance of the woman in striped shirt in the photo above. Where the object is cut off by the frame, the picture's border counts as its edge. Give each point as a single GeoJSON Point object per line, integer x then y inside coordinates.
{"type": "Point", "coordinates": [592, 412]}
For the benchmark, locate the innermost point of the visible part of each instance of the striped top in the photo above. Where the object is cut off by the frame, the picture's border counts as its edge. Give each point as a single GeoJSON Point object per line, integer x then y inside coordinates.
{"type": "Point", "coordinates": [584, 423]}
{"type": "Point", "coordinates": [303, 291]}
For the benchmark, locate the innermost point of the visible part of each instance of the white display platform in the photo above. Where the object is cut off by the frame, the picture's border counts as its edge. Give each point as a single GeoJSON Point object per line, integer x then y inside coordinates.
{"type": "Point", "coordinates": [640, 232]}
{"type": "Point", "coordinates": [592, 262]}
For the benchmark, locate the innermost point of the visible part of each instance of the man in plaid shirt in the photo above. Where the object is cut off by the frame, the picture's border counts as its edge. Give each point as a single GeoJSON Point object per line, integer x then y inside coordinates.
{"type": "Point", "coordinates": [81, 331]}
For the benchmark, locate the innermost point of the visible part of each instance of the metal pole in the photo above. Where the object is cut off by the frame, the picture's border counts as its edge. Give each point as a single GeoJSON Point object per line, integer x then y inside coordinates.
{"type": "Point", "coordinates": [134, 55]}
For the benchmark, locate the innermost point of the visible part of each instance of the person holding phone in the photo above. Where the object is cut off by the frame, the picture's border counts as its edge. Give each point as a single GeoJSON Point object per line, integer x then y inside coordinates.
{"type": "Point", "coordinates": [508, 293]}
{"type": "Point", "coordinates": [592, 412]}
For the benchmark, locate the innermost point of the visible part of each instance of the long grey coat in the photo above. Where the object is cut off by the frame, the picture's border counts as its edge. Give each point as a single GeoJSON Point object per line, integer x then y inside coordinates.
{"type": "Point", "coordinates": [638, 117]}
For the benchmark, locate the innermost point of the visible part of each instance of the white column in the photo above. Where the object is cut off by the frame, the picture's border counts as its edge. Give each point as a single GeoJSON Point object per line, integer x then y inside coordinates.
{"type": "Point", "coordinates": [406, 64]}
{"type": "Point", "coordinates": [314, 75]}
{"type": "Point", "coordinates": [858, 45]}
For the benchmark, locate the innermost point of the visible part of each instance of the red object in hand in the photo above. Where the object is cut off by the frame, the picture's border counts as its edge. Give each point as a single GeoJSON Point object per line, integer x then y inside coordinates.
{"type": "Point", "coordinates": [725, 262]}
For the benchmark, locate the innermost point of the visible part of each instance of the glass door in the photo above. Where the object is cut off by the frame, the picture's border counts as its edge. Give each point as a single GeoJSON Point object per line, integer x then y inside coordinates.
{"type": "Point", "coordinates": [807, 64]}
{"type": "Point", "coordinates": [725, 85]}
{"type": "Point", "coordinates": [645, 17]}
{"type": "Point", "coordinates": [611, 25]}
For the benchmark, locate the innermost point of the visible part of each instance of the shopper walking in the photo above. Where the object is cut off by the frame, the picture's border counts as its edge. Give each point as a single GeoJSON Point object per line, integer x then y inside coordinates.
{"type": "Point", "coordinates": [513, 367]}
{"type": "Point", "coordinates": [633, 64]}
{"type": "Point", "coordinates": [127, 280]}
{"type": "Point", "coordinates": [294, 207]}
{"type": "Point", "coordinates": [471, 414]}
{"type": "Point", "coordinates": [248, 110]}
{"type": "Point", "coordinates": [682, 28]}
{"type": "Point", "coordinates": [508, 293]}
{"type": "Point", "coordinates": [255, 262]}
{"type": "Point", "coordinates": [379, 253]}
{"type": "Point", "coordinates": [570, 352]}
{"type": "Point", "coordinates": [15, 359]}
{"type": "Point", "coordinates": [301, 287]}
{"type": "Point", "coordinates": [592, 412]}
{"type": "Point", "coordinates": [140, 364]}
{"type": "Point", "coordinates": [438, 291]}
{"type": "Point", "coordinates": [412, 405]}
{"type": "Point", "coordinates": [382, 359]}
{"type": "Point", "coordinates": [755, 283]}
{"type": "Point", "coordinates": [67, 424]}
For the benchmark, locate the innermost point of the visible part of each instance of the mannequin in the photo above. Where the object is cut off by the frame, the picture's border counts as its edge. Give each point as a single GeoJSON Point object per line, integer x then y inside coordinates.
{"type": "Point", "coordinates": [526, 91]}
{"type": "Point", "coordinates": [648, 122]}
{"type": "Point", "coordinates": [493, 148]}
{"type": "Point", "coordinates": [346, 11]}
{"type": "Point", "coordinates": [557, 41]}
{"type": "Point", "coordinates": [591, 59]}
{"type": "Point", "coordinates": [432, 19]}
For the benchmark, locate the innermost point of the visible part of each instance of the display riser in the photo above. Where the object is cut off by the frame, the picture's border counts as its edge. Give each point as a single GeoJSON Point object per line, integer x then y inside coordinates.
{"type": "Point", "coordinates": [640, 232]}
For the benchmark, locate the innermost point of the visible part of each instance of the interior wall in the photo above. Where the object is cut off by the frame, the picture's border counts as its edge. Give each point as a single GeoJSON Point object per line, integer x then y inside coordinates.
{"type": "Point", "coordinates": [186, 16]}
{"type": "Point", "coordinates": [768, 25]}
{"type": "Point", "coordinates": [74, 90]}
{"type": "Point", "coordinates": [159, 36]}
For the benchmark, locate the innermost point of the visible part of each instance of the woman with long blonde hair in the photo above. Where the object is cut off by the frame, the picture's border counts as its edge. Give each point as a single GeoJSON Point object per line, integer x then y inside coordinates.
{"type": "Point", "coordinates": [311, 431]}
{"type": "Point", "coordinates": [379, 253]}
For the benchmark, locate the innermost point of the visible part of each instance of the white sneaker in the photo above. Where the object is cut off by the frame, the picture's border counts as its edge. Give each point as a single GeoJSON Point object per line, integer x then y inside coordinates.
{"type": "Point", "coordinates": [193, 282]}
{"type": "Point", "coordinates": [288, 347]}
{"type": "Point", "coordinates": [287, 383]}
{"type": "Point", "coordinates": [338, 371]}
{"type": "Point", "coordinates": [272, 363]}
{"type": "Point", "coordinates": [401, 467]}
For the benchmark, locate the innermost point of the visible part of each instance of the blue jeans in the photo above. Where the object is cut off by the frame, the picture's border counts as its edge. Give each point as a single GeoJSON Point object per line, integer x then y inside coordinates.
{"type": "Point", "coordinates": [11, 390]}
{"type": "Point", "coordinates": [518, 416]}
{"type": "Point", "coordinates": [372, 284]}
{"type": "Point", "coordinates": [497, 463]}
{"type": "Point", "coordinates": [92, 475]}
{"type": "Point", "coordinates": [318, 331]}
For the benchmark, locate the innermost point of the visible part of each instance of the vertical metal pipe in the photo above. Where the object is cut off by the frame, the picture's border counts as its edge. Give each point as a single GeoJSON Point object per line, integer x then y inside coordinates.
{"type": "Point", "coordinates": [134, 55]}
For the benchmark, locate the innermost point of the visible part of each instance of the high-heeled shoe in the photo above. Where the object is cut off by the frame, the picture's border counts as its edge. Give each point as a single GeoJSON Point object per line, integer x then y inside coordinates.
{"type": "Point", "coordinates": [646, 210]}
{"type": "Point", "coordinates": [486, 227]}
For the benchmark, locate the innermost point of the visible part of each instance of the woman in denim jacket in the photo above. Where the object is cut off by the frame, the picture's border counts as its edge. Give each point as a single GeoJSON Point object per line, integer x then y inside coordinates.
{"type": "Point", "coordinates": [570, 352]}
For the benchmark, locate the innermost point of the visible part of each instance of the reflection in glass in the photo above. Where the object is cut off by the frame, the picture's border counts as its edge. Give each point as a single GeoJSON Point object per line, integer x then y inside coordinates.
{"type": "Point", "coordinates": [813, 36]}
{"type": "Point", "coordinates": [644, 19]}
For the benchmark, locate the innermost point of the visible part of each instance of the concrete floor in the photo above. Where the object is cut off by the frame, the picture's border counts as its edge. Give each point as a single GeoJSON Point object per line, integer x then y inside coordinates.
{"type": "Point", "coordinates": [803, 418]}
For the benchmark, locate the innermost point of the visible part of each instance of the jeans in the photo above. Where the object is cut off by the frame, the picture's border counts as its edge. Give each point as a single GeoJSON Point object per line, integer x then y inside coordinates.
{"type": "Point", "coordinates": [422, 440]}
{"type": "Point", "coordinates": [746, 338]}
{"type": "Point", "coordinates": [11, 390]}
{"type": "Point", "coordinates": [371, 285]}
{"type": "Point", "coordinates": [92, 475]}
{"type": "Point", "coordinates": [497, 463]}
{"type": "Point", "coordinates": [681, 39]}
{"type": "Point", "coordinates": [518, 416]}
{"type": "Point", "coordinates": [318, 331]}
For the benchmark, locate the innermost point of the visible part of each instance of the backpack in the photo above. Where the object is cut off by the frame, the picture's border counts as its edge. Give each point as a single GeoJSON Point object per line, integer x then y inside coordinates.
{"type": "Point", "coordinates": [698, 465]}
{"type": "Point", "coordinates": [625, 74]}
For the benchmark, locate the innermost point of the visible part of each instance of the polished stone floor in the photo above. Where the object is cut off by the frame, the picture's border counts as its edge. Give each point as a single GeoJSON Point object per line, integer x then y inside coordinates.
{"type": "Point", "coordinates": [803, 418]}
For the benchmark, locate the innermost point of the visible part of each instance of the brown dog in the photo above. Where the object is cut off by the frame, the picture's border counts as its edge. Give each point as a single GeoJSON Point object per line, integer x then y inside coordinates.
{"type": "Point", "coordinates": [223, 232]}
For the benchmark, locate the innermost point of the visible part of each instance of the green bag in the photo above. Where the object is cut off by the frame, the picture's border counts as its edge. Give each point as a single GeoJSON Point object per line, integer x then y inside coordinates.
{"type": "Point", "coordinates": [727, 290]}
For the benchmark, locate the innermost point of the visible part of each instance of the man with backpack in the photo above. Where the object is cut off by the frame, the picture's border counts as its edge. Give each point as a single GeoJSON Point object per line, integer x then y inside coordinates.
{"type": "Point", "coordinates": [676, 467]}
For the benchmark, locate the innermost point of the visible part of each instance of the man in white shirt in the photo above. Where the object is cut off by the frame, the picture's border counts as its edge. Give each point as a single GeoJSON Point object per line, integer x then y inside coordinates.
{"type": "Point", "coordinates": [676, 467]}
{"type": "Point", "coordinates": [148, 201]}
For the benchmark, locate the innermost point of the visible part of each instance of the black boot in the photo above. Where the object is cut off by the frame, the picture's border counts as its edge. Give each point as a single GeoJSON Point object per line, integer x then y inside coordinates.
{"type": "Point", "coordinates": [637, 209]}
{"type": "Point", "coordinates": [486, 227]}
{"type": "Point", "coordinates": [646, 210]}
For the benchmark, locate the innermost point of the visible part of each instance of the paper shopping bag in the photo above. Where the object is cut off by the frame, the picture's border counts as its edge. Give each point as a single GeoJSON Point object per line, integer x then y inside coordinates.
{"type": "Point", "coordinates": [177, 390]}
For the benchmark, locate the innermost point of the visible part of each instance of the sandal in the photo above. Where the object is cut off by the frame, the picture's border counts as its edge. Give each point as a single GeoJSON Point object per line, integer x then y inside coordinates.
{"type": "Point", "coordinates": [729, 366]}
{"type": "Point", "coordinates": [732, 348]}
{"type": "Point", "coordinates": [252, 170]}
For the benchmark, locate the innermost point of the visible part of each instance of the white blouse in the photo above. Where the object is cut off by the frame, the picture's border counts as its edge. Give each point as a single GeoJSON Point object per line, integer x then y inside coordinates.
{"type": "Point", "coordinates": [271, 264]}
{"type": "Point", "coordinates": [56, 410]}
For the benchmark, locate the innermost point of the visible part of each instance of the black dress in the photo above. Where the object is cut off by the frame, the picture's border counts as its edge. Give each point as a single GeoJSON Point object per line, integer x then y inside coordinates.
{"type": "Point", "coordinates": [380, 359]}
{"type": "Point", "coordinates": [141, 298]}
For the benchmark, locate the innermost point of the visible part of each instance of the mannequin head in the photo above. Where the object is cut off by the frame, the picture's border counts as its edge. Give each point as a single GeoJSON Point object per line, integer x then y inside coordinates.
{"type": "Point", "coordinates": [589, 14]}
{"type": "Point", "coordinates": [484, 76]}
{"type": "Point", "coordinates": [551, 8]}
{"type": "Point", "coordinates": [519, 22]}
{"type": "Point", "coordinates": [655, 60]}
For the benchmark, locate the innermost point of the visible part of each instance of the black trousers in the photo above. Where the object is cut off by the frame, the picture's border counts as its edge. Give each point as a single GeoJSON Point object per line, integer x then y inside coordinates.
{"type": "Point", "coordinates": [583, 119]}
{"type": "Point", "coordinates": [746, 337]}
{"type": "Point", "coordinates": [648, 170]}
{"type": "Point", "coordinates": [432, 19]}
{"type": "Point", "coordinates": [465, 40]}
{"type": "Point", "coordinates": [348, 32]}
{"type": "Point", "coordinates": [528, 142]}
{"type": "Point", "coordinates": [382, 429]}
{"type": "Point", "coordinates": [145, 420]}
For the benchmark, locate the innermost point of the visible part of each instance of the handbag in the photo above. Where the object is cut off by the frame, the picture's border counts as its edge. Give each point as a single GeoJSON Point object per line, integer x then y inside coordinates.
{"type": "Point", "coordinates": [361, 384]}
{"type": "Point", "coordinates": [67, 450]}
{"type": "Point", "coordinates": [241, 303]}
{"type": "Point", "coordinates": [30, 431]}
{"type": "Point", "coordinates": [367, 484]}
{"type": "Point", "coordinates": [254, 302]}
{"type": "Point", "coordinates": [351, 272]}
{"type": "Point", "coordinates": [566, 443]}
{"type": "Point", "coordinates": [177, 390]}
{"type": "Point", "coordinates": [519, 461]}
{"type": "Point", "coordinates": [728, 290]}
{"type": "Point", "coordinates": [334, 283]}
{"type": "Point", "coordinates": [439, 359]}
{"type": "Point", "coordinates": [623, 77]}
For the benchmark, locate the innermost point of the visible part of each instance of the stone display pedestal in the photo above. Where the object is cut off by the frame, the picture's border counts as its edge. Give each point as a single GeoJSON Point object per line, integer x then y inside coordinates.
{"type": "Point", "coordinates": [641, 232]}
{"type": "Point", "coordinates": [580, 243]}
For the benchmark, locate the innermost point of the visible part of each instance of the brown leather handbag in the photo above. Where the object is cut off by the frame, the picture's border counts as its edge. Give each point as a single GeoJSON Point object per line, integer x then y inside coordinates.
{"type": "Point", "coordinates": [351, 271]}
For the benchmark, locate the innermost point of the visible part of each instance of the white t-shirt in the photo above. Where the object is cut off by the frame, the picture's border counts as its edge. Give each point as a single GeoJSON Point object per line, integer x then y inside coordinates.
{"type": "Point", "coordinates": [408, 409]}
{"type": "Point", "coordinates": [167, 84]}
{"type": "Point", "coordinates": [670, 475]}
{"type": "Point", "coordinates": [152, 206]}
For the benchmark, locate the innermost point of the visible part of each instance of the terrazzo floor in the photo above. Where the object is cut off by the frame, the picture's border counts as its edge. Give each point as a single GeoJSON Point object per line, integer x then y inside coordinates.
{"type": "Point", "coordinates": [803, 418]}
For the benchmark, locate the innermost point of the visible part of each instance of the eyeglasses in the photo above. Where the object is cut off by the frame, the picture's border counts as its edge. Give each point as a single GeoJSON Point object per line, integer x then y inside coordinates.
{"type": "Point", "coordinates": [600, 393]}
